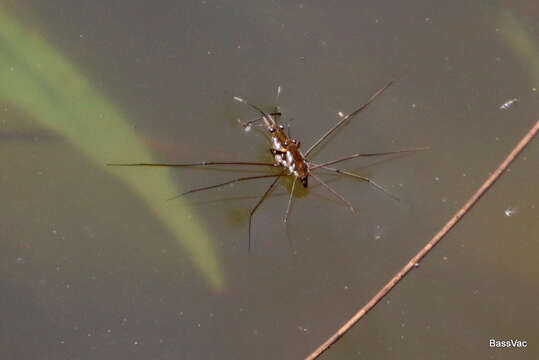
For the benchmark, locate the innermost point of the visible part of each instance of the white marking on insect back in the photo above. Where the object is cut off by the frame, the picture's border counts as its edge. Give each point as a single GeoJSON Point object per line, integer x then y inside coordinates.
{"type": "Point", "coordinates": [289, 157]}
{"type": "Point", "coordinates": [276, 144]}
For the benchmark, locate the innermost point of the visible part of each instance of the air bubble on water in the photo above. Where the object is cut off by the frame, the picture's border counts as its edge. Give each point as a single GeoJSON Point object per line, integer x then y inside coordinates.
{"type": "Point", "coordinates": [510, 211]}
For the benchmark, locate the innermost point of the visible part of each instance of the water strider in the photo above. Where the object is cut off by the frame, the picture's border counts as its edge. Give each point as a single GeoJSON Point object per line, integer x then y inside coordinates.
{"type": "Point", "coordinates": [287, 158]}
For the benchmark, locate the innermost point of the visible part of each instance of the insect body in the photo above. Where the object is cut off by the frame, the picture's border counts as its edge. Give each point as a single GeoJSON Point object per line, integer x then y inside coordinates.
{"type": "Point", "coordinates": [285, 151]}
{"type": "Point", "coordinates": [288, 157]}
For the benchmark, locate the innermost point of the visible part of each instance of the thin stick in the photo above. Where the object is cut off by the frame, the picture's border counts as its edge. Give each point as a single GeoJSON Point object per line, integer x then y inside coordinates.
{"type": "Point", "coordinates": [364, 178]}
{"type": "Point", "coordinates": [347, 117]}
{"type": "Point", "coordinates": [367, 155]}
{"type": "Point", "coordinates": [259, 203]}
{"type": "Point", "coordinates": [223, 184]}
{"type": "Point", "coordinates": [417, 258]}
{"type": "Point", "coordinates": [334, 192]}
{"type": "Point", "coordinates": [192, 164]}
{"type": "Point", "coordinates": [290, 200]}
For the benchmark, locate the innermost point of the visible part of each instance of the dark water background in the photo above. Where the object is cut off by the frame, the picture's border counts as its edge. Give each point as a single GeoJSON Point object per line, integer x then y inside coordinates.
{"type": "Point", "coordinates": [88, 273]}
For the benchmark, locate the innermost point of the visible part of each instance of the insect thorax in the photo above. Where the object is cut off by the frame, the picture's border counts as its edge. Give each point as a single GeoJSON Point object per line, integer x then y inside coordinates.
{"type": "Point", "coordinates": [287, 155]}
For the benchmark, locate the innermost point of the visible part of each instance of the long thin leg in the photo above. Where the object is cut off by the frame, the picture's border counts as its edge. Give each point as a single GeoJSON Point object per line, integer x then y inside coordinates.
{"type": "Point", "coordinates": [290, 200]}
{"type": "Point", "coordinates": [347, 117]}
{"type": "Point", "coordinates": [259, 203]}
{"type": "Point", "coordinates": [223, 184]}
{"type": "Point", "coordinates": [334, 192]}
{"type": "Point", "coordinates": [367, 155]}
{"type": "Point", "coordinates": [194, 164]}
{"type": "Point", "coordinates": [364, 178]}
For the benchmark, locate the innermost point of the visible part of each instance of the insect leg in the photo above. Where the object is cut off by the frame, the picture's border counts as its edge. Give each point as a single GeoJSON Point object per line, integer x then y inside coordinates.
{"type": "Point", "coordinates": [290, 201]}
{"type": "Point", "coordinates": [367, 155]}
{"type": "Point", "coordinates": [223, 184]}
{"type": "Point", "coordinates": [259, 203]}
{"type": "Point", "coordinates": [334, 192]}
{"type": "Point", "coordinates": [347, 117]}
{"type": "Point", "coordinates": [364, 178]}
{"type": "Point", "coordinates": [194, 164]}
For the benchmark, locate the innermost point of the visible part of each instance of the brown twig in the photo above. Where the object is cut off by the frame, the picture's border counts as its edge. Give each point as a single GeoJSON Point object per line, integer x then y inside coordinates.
{"type": "Point", "coordinates": [417, 258]}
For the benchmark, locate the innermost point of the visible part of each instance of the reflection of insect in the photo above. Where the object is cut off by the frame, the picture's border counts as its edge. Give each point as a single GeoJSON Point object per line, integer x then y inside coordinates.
{"type": "Point", "coordinates": [506, 105]}
{"type": "Point", "coordinates": [288, 158]}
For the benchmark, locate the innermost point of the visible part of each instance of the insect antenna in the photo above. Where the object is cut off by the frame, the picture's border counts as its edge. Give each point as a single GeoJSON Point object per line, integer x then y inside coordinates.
{"type": "Point", "coordinates": [278, 94]}
{"type": "Point", "coordinates": [223, 184]}
{"type": "Point", "coordinates": [260, 201]}
{"type": "Point", "coordinates": [334, 192]}
{"type": "Point", "coordinates": [256, 108]}
{"type": "Point", "coordinates": [347, 117]}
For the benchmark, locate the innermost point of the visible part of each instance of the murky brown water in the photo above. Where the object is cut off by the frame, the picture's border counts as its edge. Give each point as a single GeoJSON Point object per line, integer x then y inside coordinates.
{"type": "Point", "coordinates": [88, 273]}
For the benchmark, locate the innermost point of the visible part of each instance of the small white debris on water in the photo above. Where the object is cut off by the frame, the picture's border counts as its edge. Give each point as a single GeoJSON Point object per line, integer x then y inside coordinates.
{"type": "Point", "coordinates": [510, 212]}
{"type": "Point", "coordinates": [506, 105]}
{"type": "Point", "coordinates": [534, 89]}
{"type": "Point", "coordinates": [414, 106]}
{"type": "Point", "coordinates": [247, 128]}
{"type": "Point", "coordinates": [238, 99]}
{"type": "Point", "coordinates": [304, 329]}
{"type": "Point", "coordinates": [340, 113]}
{"type": "Point", "coordinates": [436, 178]}
{"type": "Point", "coordinates": [278, 90]}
